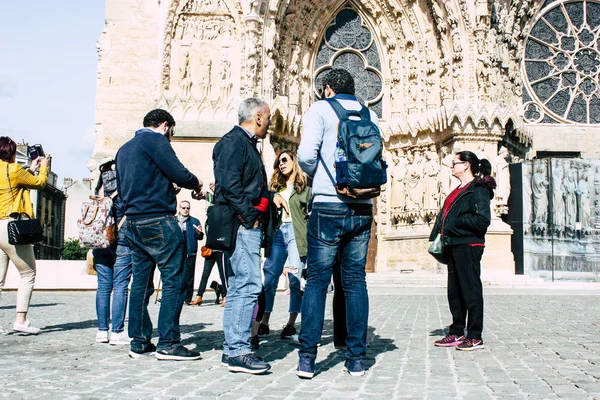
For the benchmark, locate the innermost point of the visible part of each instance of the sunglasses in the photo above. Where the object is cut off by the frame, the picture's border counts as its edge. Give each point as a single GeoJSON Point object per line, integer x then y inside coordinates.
{"type": "Point", "coordinates": [284, 160]}
{"type": "Point", "coordinates": [185, 208]}
{"type": "Point", "coordinates": [458, 162]}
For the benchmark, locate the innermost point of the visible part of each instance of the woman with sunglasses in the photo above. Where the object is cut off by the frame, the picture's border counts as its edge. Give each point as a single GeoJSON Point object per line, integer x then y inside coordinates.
{"type": "Point", "coordinates": [289, 241]}
{"type": "Point", "coordinates": [463, 223]}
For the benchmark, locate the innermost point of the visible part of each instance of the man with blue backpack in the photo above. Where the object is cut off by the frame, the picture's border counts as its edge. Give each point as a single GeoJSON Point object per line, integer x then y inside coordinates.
{"type": "Point", "coordinates": [341, 149]}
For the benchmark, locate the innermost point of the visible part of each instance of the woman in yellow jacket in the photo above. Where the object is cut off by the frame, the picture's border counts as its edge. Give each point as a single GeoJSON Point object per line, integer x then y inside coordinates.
{"type": "Point", "coordinates": [14, 199]}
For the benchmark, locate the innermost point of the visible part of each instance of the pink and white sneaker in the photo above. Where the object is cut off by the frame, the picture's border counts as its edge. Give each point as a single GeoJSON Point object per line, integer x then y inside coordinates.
{"type": "Point", "coordinates": [449, 341]}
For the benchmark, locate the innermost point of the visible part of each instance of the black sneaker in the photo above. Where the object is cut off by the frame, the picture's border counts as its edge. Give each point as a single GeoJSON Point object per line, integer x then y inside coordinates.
{"type": "Point", "coordinates": [177, 353]}
{"type": "Point", "coordinates": [248, 363]}
{"type": "Point", "coordinates": [288, 331]}
{"type": "Point", "coordinates": [254, 342]}
{"type": "Point", "coordinates": [263, 330]}
{"type": "Point", "coordinates": [224, 360]}
{"type": "Point", "coordinates": [147, 351]}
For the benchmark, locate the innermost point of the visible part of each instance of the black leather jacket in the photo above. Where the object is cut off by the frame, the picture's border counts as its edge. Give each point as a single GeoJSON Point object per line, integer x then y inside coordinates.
{"type": "Point", "coordinates": [239, 174]}
{"type": "Point", "coordinates": [469, 216]}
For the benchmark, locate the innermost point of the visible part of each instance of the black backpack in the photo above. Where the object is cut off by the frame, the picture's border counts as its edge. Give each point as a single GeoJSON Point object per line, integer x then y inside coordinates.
{"type": "Point", "coordinates": [359, 166]}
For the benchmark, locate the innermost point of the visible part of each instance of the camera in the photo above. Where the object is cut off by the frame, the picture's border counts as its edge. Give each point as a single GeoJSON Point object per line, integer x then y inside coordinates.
{"type": "Point", "coordinates": [35, 151]}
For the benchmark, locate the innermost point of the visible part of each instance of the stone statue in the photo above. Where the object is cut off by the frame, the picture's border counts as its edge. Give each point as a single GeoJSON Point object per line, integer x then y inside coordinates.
{"type": "Point", "coordinates": [583, 190]}
{"type": "Point", "coordinates": [185, 84]}
{"type": "Point", "coordinates": [558, 202]}
{"type": "Point", "coordinates": [528, 200]}
{"type": "Point", "coordinates": [446, 185]}
{"type": "Point", "coordinates": [502, 177]}
{"type": "Point", "coordinates": [439, 17]}
{"type": "Point", "coordinates": [539, 188]}
{"type": "Point", "coordinates": [431, 168]}
{"type": "Point", "coordinates": [570, 186]}
{"type": "Point", "coordinates": [254, 8]}
{"type": "Point", "coordinates": [398, 174]}
{"type": "Point", "coordinates": [414, 198]}
{"type": "Point", "coordinates": [225, 84]}
{"type": "Point", "coordinates": [205, 77]}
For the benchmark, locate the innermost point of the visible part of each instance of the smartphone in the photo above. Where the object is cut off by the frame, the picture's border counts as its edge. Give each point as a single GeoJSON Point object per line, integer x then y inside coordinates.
{"type": "Point", "coordinates": [35, 151]}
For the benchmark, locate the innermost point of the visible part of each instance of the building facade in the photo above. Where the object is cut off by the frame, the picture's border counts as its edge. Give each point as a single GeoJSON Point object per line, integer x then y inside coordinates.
{"type": "Point", "coordinates": [509, 80]}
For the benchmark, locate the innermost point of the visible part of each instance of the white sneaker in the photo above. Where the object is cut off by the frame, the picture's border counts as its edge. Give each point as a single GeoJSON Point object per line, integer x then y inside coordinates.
{"type": "Point", "coordinates": [25, 328]}
{"type": "Point", "coordinates": [102, 337]}
{"type": "Point", "coordinates": [119, 338]}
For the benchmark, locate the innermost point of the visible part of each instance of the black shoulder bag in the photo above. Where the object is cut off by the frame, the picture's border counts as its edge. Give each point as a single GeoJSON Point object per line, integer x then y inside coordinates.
{"type": "Point", "coordinates": [23, 230]}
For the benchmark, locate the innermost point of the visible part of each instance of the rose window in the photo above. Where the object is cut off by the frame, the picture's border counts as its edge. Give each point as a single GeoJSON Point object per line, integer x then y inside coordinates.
{"type": "Point", "coordinates": [562, 64]}
{"type": "Point", "coordinates": [349, 44]}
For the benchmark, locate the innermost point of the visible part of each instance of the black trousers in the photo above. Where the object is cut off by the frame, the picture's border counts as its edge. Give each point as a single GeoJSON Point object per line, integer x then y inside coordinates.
{"type": "Point", "coordinates": [221, 259]}
{"type": "Point", "coordinates": [189, 271]}
{"type": "Point", "coordinates": [465, 291]}
{"type": "Point", "coordinates": [340, 330]}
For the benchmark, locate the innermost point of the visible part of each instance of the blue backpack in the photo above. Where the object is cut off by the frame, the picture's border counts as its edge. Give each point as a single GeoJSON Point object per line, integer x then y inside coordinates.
{"type": "Point", "coordinates": [359, 166]}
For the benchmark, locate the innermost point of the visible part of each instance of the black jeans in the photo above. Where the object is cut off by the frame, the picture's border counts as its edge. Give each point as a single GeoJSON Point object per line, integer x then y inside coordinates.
{"type": "Point", "coordinates": [189, 268]}
{"type": "Point", "coordinates": [465, 292]}
{"type": "Point", "coordinates": [221, 259]}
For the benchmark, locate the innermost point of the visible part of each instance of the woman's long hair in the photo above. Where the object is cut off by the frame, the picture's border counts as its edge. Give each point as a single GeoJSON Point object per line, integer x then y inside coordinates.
{"type": "Point", "coordinates": [481, 169]}
{"type": "Point", "coordinates": [279, 181]}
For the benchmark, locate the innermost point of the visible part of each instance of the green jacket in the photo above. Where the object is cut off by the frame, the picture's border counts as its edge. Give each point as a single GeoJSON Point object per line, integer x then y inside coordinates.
{"type": "Point", "coordinates": [299, 212]}
{"type": "Point", "coordinates": [298, 205]}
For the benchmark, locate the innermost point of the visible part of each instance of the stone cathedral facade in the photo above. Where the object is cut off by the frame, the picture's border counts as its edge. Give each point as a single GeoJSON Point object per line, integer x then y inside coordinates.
{"type": "Point", "coordinates": [509, 80]}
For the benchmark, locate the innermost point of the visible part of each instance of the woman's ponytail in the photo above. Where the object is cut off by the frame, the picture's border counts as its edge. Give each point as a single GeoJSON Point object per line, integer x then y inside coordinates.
{"type": "Point", "coordinates": [485, 167]}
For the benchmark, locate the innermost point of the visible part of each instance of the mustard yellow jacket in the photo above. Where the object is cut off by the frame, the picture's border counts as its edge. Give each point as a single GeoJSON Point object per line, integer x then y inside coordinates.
{"type": "Point", "coordinates": [14, 197]}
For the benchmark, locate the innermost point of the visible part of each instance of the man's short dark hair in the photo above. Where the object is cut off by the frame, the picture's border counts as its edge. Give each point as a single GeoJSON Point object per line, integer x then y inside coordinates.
{"type": "Point", "coordinates": [156, 117]}
{"type": "Point", "coordinates": [340, 81]}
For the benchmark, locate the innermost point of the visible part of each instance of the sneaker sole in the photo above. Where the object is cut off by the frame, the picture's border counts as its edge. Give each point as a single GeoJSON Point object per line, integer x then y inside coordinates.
{"type": "Point", "coordinates": [305, 374]}
{"type": "Point", "coordinates": [118, 343]}
{"type": "Point", "coordinates": [165, 357]}
{"type": "Point", "coordinates": [224, 364]}
{"type": "Point", "coordinates": [248, 371]}
{"type": "Point", "coordinates": [25, 331]}
{"type": "Point", "coordinates": [471, 348]}
{"type": "Point", "coordinates": [101, 340]}
{"type": "Point", "coordinates": [361, 373]}
{"type": "Point", "coordinates": [453, 344]}
{"type": "Point", "coordinates": [133, 354]}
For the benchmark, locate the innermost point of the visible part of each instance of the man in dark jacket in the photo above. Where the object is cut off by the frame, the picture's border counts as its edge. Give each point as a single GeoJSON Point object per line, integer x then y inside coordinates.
{"type": "Point", "coordinates": [147, 167]}
{"type": "Point", "coordinates": [192, 232]}
{"type": "Point", "coordinates": [241, 183]}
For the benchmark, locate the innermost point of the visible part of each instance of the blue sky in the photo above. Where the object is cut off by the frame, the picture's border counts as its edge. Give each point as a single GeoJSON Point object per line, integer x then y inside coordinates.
{"type": "Point", "coordinates": [48, 78]}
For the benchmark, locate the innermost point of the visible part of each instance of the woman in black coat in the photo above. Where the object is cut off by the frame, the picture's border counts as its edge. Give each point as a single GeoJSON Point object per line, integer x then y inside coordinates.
{"type": "Point", "coordinates": [463, 223]}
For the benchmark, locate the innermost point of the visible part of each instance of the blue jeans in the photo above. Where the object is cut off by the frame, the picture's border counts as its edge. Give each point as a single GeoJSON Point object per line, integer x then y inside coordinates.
{"type": "Point", "coordinates": [345, 229]}
{"type": "Point", "coordinates": [156, 241]}
{"type": "Point", "coordinates": [242, 294]}
{"type": "Point", "coordinates": [113, 277]}
{"type": "Point", "coordinates": [284, 248]}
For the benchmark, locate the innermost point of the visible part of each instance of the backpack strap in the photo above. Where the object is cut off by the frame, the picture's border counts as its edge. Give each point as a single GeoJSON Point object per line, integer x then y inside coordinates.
{"type": "Point", "coordinates": [344, 114]}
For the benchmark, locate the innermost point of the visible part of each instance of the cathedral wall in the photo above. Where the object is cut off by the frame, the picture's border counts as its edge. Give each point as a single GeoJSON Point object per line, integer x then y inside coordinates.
{"type": "Point", "coordinates": [128, 71]}
{"type": "Point", "coordinates": [571, 138]}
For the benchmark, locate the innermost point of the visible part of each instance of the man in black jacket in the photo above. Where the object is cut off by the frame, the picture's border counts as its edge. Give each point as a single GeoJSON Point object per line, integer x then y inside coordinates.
{"type": "Point", "coordinates": [147, 167]}
{"type": "Point", "coordinates": [192, 232]}
{"type": "Point", "coordinates": [241, 182]}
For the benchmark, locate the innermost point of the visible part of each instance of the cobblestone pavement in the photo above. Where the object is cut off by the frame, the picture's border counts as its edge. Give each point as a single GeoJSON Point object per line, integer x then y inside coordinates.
{"type": "Point", "coordinates": [539, 345]}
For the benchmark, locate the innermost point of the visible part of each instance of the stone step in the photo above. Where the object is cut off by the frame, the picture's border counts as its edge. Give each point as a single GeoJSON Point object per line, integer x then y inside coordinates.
{"type": "Point", "coordinates": [431, 279]}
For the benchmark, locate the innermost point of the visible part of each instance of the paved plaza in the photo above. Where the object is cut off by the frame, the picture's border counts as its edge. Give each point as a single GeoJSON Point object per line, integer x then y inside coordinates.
{"type": "Point", "coordinates": [540, 344]}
